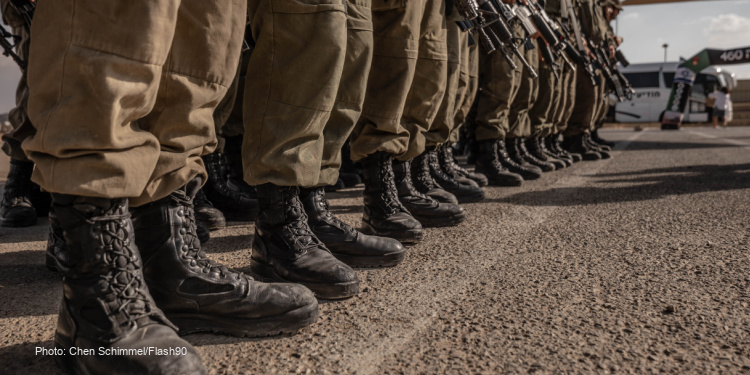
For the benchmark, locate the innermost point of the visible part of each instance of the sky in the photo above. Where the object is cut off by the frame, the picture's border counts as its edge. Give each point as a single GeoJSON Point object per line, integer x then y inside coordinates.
{"type": "Point", "coordinates": [687, 27]}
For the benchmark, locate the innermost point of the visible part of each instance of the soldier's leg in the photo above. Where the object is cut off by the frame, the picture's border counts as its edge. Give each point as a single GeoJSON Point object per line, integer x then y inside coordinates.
{"type": "Point", "coordinates": [379, 136]}
{"type": "Point", "coordinates": [346, 243]}
{"type": "Point", "coordinates": [520, 123]}
{"type": "Point", "coordinates": [226, 188]}
{"type": "Point", "coordinates": [540, 116]}
{"type": "Point", "coordinates": [22, 200]}
{"type": "Point", "coordinates": [464, 189]}
{"type": "Point", "coordinates": [466, 93]}
{"type": "Point", "coordinates": [292, 82]}
{"type": "Point", "coordinates": [585, 108]}
{"type": "Point", "coordinates": [90, 152]}
{"type": "Point", "coordinates": [499, 86]}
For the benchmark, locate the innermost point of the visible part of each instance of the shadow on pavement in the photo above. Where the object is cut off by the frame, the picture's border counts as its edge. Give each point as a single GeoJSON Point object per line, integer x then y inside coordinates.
{"type": "Point", "coordinates": [657, 145]}
{"type": "Point", "coordinates": [21, 359]}
{"type": "Point", "coordinates": [649, 184]}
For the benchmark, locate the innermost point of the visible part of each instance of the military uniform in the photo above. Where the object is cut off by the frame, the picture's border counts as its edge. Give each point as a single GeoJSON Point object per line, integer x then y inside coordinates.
{"type": "Point", "coordinates": [18, 116]}
{"type": "Point", "coordinates": [589, 98]}
{"type": "Point", "coordinates": [408, 79]}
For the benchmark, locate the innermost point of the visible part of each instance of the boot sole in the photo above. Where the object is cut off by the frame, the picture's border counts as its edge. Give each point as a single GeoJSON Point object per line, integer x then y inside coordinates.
{"type": "Point", "coordinates": [323, 291]}
{"type": "Point", "coordinates": [433, 222]}
{"type": "Point", "coordinates": [409, 237]}
{"type": "Point", "coordinates": [289, 322]}
{"type": "Point", "coordinates": [506, 183]}
{"type": "Point", "coordinates": [387, 260]}
{"type": "Point", "coordinates": [18, 223]}
{"type": "Point", "coordinates": [469, 198]}
{"type": "Point", "coordinates": [214, 224]}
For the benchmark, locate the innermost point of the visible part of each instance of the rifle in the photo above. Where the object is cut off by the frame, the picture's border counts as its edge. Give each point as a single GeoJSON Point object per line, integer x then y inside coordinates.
{"type": "Point", "coordinates": [580, 56]}
{"type": "Point", "coordinates": [474, 22]}
{"type": "Point", "coordinates": [499, 15]}
{"type": "Point", "coordinates": [8, 41]}
{"type": "Point", "coordinates": [603, 63]}
{"type": "Point", "coordinates": [548, 29]}
{"type": "Point", "coordinates": [26, 9]}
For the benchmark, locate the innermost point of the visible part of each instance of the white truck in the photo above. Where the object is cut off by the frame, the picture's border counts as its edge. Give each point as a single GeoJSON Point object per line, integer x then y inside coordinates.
{"type": "Point", "coordinates": [653, 83]}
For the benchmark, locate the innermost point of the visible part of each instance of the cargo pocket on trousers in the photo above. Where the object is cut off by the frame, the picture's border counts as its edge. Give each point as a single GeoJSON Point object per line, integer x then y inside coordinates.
{"type": "Point", "coordinates": [309, 38]}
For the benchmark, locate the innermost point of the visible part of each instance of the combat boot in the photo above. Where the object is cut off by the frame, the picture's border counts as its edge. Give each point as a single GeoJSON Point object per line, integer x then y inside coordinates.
{"type": "Point", "coordinates": [563, 157]}
{"type": "Point", "coordinates": [449, 165]}
{"type": "Point", "coordinates": [596, 138]}
{"type": "Point", "coordinates": [489, 165]}
{"type": "Point", "coordinates": [384, 215]}
{"type": "Point", "coordinates": [285, 249]}
{"type": "Point", "coordinates": [226, 196]}
{"type": "Point", "coordinates": [106, 306]}
{"type": "Point", "coordinates": [554, 144]}
{"type": "Point", "coordinates": [466, 191]}
{"type": "Point", "coordinates": [16, 209]}
{"type": "Point", "coordinates": [56, 255]}
{"type": "Point", "coordinates": [425, 183]}
{"type": "Point", "coordinates": [346, 243]}
{"type": "Point", "coordinates": [206, 213]}
{"type": "Point", "coordinates": [602, 150]}
{"type": "Point", "coordinates": [424, 208]}
{"type": "Point", "coordinates": [509, 156]}
{"type": "Point", "coordinates": [200, 295]}
{"type": "Point", "coordinates": [523, 152]}
{"type": "Point", "coordinates": [536, 148]}
{"type": "Point", "coordinates": [577, 145]}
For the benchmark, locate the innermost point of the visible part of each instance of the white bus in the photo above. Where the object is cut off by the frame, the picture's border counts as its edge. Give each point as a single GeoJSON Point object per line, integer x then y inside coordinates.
{"type": "Point", "coordinates": [653, 83]}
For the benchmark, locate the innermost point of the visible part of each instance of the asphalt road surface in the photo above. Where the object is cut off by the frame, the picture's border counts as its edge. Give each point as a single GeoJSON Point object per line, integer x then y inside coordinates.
{"type": "Point", "coordinates": [636, 264]}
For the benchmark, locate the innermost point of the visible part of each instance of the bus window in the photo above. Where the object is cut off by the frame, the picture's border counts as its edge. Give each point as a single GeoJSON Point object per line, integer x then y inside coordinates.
{"type": "Point", "coordinates": [643, 80]}
{"type": "Point", "coordinates": [668, 79]}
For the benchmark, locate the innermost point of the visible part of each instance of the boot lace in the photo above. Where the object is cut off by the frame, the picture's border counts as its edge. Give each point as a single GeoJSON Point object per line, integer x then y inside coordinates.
{"type": "Point", "coordinates": [390, 197]}
{"type": "Point", "coordinates": [295, 221]}
{"type": "Point", "coordinates": [191, 251]}
{"type": "Point", "coordinates": [325, 206]}
{"type": "Point", "coordinates": [121, 285]}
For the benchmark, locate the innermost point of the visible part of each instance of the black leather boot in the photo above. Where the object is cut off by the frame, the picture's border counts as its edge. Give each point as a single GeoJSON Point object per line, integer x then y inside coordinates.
{"type": "Point", "coordinates": [285, 249]}
{"type": "Point", "coordinates": [536, 148]}
{"type": "Point", "coordinates": [346, 243]}
{"type": "Point", "coordinates": [564, 157]}
{"type": "Point", "coordinates": [384, 215]}
{"type": "Point", "coordinates": [425, 183]}
{"type": "Point", "coordinates": [576, 144]}
{"type": "Point", "coordinates": [531, 159]}
{"type": "Point", "coordinates": [424, 208]}
{"type": "Point", "coordinates": [510, 157]}
{"type": "Point", "coordinates": [16, 209]}
{"type": "Point", "coordinates": [449, 165]}
{"type": "Point", "coordinates": [596, 138]}
{"type": "Point", "coordinates": [106, 303]}
{"type": "Point", "coordinates": [554, 144]}
{"type": "Point", "coordinates": [200, 295]}
{"type": "Point", "coordinates": [225, 195]}
{"type": "Point", "coordinates": [466, 190]}
{"type": "Point", "coordinates": [602, 150]}
{"type": "Point", "coordinates": [56, 255]}
{"type": "Point", "coordinates": [235, 171]}
{"type": "Point", "coordinates": [489, 165]}
{"type": "Point", "coordinates": [206, 213]}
